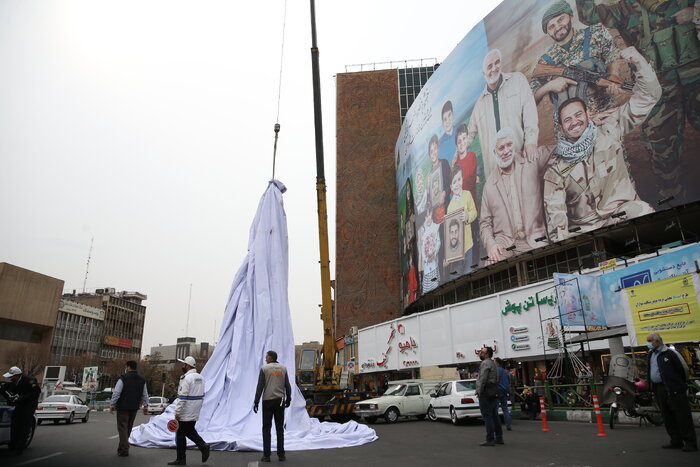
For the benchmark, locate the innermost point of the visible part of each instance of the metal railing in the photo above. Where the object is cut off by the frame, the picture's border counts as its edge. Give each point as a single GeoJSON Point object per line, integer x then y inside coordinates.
{"type": "Point", "coordinates": [579, 396]}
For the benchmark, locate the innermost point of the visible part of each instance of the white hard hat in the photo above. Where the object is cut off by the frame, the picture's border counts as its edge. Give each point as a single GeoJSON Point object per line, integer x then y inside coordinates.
{"type": "Point", "coordinates": [189, 361]}
{"type": "Point", "coordinates": [14, 371]}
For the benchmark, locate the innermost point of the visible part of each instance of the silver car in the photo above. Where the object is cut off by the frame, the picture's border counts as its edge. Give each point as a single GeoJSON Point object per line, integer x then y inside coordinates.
{"type": "Point", "coordinates": [66, 408]}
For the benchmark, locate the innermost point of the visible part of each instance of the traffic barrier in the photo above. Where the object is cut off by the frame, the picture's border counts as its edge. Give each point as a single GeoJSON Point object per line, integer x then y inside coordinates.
{"type": "Point", "coordinates": [601, 428]}
{"type": "Point", "coordinates": [543, 411]}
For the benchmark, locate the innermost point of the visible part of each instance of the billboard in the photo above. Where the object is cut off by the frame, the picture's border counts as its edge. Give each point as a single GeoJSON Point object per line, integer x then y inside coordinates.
{"type": "Point", "coordinates": [90, 378]}
{"type": "Point", "coordinates": [541, 125]}
{"type": "Point", "coordinates": [668, 307]}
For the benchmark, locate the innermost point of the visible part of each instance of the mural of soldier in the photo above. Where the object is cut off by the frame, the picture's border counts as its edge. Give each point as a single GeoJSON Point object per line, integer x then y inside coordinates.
{"type": "Point", "coordinates": [664, 32]}
{"type": "Point", "coordinates": [588, 181]}
{"type": "Point", "coordinates": [591, 49]}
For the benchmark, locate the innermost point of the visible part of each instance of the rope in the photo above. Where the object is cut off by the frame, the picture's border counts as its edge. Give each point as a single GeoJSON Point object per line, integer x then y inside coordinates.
{"type": "Point", "coordinates": [279, 91]}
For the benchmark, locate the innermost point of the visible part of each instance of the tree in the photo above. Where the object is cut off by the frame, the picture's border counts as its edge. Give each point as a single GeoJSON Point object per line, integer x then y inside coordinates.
{"type": "Point", "coordinates": [26, 357]}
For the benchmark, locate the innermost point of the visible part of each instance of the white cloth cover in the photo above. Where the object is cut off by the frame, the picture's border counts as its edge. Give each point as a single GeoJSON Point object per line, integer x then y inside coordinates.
{"type": "Point", "coordinates": [257, 319]}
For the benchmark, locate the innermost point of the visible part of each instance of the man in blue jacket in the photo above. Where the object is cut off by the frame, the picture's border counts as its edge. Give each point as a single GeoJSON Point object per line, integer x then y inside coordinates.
{"type": "Point", "coordinates": [503, 391]}
{"type": "Point", "coordinates": [668, 374]}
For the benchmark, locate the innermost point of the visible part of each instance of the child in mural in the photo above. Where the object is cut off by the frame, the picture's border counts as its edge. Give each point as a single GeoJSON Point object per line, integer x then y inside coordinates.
{"type": "Point", "coordinates": [439, 176]}
{"type": "Point", "coordinates": [447, 140]}
{"type": "Point", "coordinates": [430, 253]}
{"type": "Point", "coordinates": [409, 241]}
{"type": "Point", "coordinates": [466, 160]}
{"type": "Point", "coordinates": [421, 197]}
{"type": "Point", "coordinates": [462, 201]}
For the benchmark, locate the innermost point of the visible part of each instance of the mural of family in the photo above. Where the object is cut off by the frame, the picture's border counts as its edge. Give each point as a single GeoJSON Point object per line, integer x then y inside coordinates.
{"type": "Point", "coordinates": [480, 187]}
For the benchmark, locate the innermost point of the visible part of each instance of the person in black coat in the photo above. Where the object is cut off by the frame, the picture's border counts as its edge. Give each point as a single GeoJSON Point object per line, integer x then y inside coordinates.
{"type": "Point", "coordinates": [668, 374]}
{"type": "Point", "coordinates": [23, 393]}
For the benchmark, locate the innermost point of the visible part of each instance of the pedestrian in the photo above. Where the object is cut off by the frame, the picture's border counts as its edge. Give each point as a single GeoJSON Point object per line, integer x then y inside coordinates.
{"type": "Point", "coordinates": [190, 395]}
{"type": "Point", "coordinates": [487, 390]}
{"type": "Point", "coordinates": [129, 393]}
{"type": "Point", "coordinates": [276, 392]}
{"type": "Point", "coordinates": [503, 392]}
{"type": "Point", "coordinates": [668, 373]}
{"type": "Point", "coordinates": [23, 392]}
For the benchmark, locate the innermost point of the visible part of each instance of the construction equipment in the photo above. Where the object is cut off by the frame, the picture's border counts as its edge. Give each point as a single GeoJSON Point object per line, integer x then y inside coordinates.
{"type": "Point", "coordinates": [318, 376]}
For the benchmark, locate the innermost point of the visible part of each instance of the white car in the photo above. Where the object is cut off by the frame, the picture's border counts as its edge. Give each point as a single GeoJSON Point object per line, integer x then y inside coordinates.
{"type": "Point", "coordinates": [401, 399]}
{"type": "Point", "coordinates": [456, 401]}
{"type": "Point", "coordinates": [64, 407]}
{"type": "Point", "coordinates": [157, 405]}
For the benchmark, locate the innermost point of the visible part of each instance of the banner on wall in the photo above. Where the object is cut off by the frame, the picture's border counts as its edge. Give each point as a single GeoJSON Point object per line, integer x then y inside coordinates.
{"type": "Point", "coordinates": [668, 307]}
{"type": "Point", "coordinates": [90, 378]}
{"type": "Point", "coordinates": [529, 115]}
{"type": "Point", "coordinates": [580, 300]}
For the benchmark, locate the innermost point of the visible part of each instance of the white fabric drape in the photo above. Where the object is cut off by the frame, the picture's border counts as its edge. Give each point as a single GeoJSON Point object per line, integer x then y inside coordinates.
{"type": "Point", "coordinates": [257, 319]}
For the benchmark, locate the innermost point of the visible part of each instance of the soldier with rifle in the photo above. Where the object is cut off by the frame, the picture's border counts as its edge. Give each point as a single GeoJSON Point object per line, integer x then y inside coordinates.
{"type": "Point", "coordinates": [664, 32]}
{"type": "Point", "coordinates": [582, 63]}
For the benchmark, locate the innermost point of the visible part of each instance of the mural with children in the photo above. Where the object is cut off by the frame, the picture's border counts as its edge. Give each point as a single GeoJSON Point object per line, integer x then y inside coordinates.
{"type": "Point", "coordinates": [549, 119]}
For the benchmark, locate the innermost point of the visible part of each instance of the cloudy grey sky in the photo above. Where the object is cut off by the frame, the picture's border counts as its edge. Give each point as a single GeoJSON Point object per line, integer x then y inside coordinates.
{"type": "Point", "coordinates": [149, 125]}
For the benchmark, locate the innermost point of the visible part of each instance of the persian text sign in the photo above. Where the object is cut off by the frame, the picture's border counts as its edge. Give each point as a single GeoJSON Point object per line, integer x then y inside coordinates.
{"type": "Point", "coordinates": [668, 307]}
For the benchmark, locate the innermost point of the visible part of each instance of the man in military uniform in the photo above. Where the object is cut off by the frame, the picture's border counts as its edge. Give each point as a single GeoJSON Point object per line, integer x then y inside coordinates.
{"type": "Point", "coordinates": [663, 31]}
{"type": "Point", "coordinates": [587, 182]}
{"type": "Point", "coordinates": [592, 48]}
{"type": "Point", "coordinates": [23, 393]}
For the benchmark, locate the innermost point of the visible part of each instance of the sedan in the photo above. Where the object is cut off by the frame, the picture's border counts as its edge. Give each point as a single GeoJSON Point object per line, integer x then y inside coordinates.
{"type": "Point", "coordinates": [456, 401]}
{"type": "Point", "coordinates": [59, 408]}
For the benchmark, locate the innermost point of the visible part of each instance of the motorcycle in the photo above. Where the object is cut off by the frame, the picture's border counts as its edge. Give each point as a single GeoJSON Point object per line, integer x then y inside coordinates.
{"type": "Point", "coordinates": [634, 401]}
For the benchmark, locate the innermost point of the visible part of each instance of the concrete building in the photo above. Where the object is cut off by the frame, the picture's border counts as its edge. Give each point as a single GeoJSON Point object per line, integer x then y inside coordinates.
{"type": "Point", "coordinates": [79, 332]}
{"type": "Point", "coordinates": [28, 309]}
{"type": "Point", "coordinates": [167, 355]}
{"type": "Point", "coordinates": [370, 108]}
{"type": "Point", "coordinates": [123, 328]}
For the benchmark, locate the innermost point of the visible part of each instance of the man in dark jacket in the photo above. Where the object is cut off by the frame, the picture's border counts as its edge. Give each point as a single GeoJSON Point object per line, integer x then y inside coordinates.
{"type": "Point", "coordinates": [23, 393]}
{"type": "Point", "coordinates": [129, 393]}
{"type": "Point", "coordinates": [276, 392]}
{"type": "Point", "coordinates": [668, 374]}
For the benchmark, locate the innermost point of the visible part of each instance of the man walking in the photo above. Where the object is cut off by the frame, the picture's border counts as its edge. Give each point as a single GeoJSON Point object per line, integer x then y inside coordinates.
{"type": "Point", "coordinates": [668, 373]}
{"type": "Point", "coordinates": [190, 395]}
{"type": "Point", "coordinates": [487, 390]}
{"type": "Point", "coordinates": [503, 388]}
{"type": "Point", "coordinates": [23, 393]}
{"type": "Point", "coordinates": [273, 385]}
{"type": "Point", "coordinates": [129, 392]}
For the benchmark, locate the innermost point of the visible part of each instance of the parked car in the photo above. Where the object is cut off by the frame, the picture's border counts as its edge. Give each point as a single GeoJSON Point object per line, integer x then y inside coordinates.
{"type": "Point", "coordinates": [63, 407]}
{"type": "Point", "coordinates": [401, 399]}
{"type": "Point", "coordinates": [157, 405]}
{"type": "Point", "coordinates": [456, 401]}
{"type": "Point", "coordinates": [6, 412]}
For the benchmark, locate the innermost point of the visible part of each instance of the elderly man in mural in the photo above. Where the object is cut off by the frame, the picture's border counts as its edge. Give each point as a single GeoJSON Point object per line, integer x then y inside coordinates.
{"type": "Point", "coordinates": [511, 204]}
{"type": "Point", "coordinates": [587, 181]}
{"type": "Point", "coordinates": [506, 101]}
{"type": "Point", "coordinates": [591, 48]}
{"type": "Point", "coordinates": [664, 32]}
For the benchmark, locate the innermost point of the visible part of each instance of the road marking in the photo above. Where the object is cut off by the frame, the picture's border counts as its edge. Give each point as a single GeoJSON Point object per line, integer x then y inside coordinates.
{"type": "Point", "coordinates": [113, 437]}
{"type": "Point", "coordinates": [41, 458]}
{"type": "Point", "coordinates": [253, 464]}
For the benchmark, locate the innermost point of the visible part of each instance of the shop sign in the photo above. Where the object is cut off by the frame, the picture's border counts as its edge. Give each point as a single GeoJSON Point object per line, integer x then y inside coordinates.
{"type": "Point", "coordinates": [410, 363]}
{"type": "Point", "coordinates": [494, 347]}
{"type": "Point", "coordinates": [609, 264]}
{"type": "Point", "coordinates": [529, 303]}
{"type": "Point", "coordinates": [518, 330]}
{"type": "Point", "coordinates": [520, 338]}
{"type": "Point", "coordinates": [520, 346]}
{"type": "Point", "coordinates": [118, 342]}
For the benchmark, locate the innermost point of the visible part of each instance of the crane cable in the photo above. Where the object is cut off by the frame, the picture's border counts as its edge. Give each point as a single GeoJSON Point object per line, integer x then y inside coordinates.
{"type": "Point", "coordinates": [279, 91]}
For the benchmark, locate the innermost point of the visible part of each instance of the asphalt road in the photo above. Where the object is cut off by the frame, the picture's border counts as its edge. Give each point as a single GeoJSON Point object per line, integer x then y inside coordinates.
{"type": "Point", "coordinates": [407, 443]}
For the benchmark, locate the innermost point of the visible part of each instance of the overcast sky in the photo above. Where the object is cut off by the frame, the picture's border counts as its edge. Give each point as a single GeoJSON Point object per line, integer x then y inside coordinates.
{"type": "Point", "coordinates": [149, 125]}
